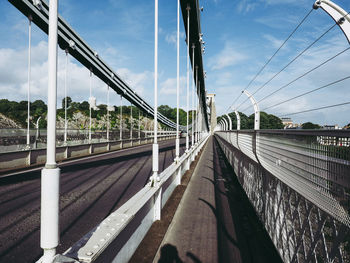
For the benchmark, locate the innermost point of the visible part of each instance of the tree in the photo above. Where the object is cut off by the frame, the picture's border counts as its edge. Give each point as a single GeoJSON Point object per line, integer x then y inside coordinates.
{"type": "Point", "coordinates": [310, 126]}
{"type": "Point", "coordinates": [267, 121]}
{"type": "Point", "coordinates": [171, 114]}
{"type": "Point", "coordinates": [69, 102]}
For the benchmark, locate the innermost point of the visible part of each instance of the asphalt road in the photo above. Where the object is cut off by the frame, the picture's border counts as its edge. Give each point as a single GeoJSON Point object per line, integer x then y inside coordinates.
{"type": "Point", "coordinates": [90, 190]}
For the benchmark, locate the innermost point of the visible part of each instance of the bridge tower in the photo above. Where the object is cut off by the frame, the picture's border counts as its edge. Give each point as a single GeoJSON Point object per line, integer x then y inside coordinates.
{"type": "Point", "coordinates": [212, 114]}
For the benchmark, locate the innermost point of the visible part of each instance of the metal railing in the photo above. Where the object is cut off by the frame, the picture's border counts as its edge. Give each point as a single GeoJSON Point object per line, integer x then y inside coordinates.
{"type": "Point", "coordinates": [299, 184]}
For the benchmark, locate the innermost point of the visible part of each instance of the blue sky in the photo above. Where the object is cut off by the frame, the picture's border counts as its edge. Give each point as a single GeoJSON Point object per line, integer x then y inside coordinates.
{"type": "Point", "coordinates": [240, 37]}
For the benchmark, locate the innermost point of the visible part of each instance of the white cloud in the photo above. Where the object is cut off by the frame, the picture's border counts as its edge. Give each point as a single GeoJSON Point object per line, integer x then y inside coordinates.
{"type": "Point", "coordinates": [277, 21]}
{"type": "Point", "coordinates": [171, 38]}
{"type": "Point", "coordinates": [276, 43]}
{"type": "Point", "coordinates": [229, 56]}
{"type": "Point", "coordinates": [246, 6]}
{"type": "Point", "coordinates": [137, 81]}
{"type": "Point", "coordinates": [168, 87]}
{"type": "Point", "coordinates": [13, 77]}
{"type": "Point", "coordinates": [228, 84]}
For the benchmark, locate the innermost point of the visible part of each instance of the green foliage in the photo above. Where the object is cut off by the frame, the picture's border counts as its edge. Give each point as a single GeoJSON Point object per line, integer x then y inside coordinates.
{"type": "Point", "coordinates": [310, 126]}
{"type": "Point", "coordinates": [171, 114]}
{"type": "Point", "coordinates": [18, 111]}
{"type": "Point", "coordinates": [69, 102]}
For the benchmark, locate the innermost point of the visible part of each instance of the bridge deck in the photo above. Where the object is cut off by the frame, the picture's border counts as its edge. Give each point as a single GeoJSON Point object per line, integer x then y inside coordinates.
{"type": "Point", "coordinates": [91, 188]}
{"type": "Point", "coordinates": [215, 221]}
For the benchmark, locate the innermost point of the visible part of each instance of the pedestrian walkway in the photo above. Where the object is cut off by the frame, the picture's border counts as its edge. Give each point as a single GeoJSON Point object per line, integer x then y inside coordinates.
{"type": "Point", "coordinates": [193, 231]}
{"type": "Point", "coordinates": [212, 222]}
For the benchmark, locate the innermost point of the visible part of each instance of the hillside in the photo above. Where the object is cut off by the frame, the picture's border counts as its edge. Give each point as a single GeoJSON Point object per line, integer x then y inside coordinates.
{"type": "Point", "coordinates": [14, 115]}
{"type": "Point", "coordinates": [7, 123]}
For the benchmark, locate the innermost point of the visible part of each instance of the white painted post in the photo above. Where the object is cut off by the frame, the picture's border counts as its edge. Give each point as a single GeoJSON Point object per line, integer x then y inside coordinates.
{"type": "Point", "coordinates": [131, 123]}
{"type": "Point", "coordinates": [29, 70]}
{"type": "Point", "coordinates": [177, 140]}
{"type": "Point", "coordinates": [121, 122]}
{"type": "Point", "coordinates": [50, 175]}
{"type": "Point", "coordinates": [139, 128]}
{"type": "Point", "coordinates": [90, 105]}
{"type": "Point", "coordinates": [196, 128]}
{"type": "Point", "coordinates": [155, 149]}
{"type": "Point", "coordinates": [107, 113]}
{"type": "Point", "coordinates": [158, 205]}
{"type": "Point", "coordinates": [198, 110]}
{"type": "Point", "coordinates": [188, 74]}
{"type": "Point", "coordinates": [193, 46]}
{"type": "Point", "coordinates": [65, 99]}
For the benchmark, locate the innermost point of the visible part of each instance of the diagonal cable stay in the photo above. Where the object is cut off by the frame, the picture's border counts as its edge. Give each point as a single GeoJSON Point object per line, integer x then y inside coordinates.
{"type": "Point", "coordinates": [285, 41]}
{"type": "Point", "coordinates": [299, 55]}
{"type": "Point", "coordinates": [294, 59]}
{"type": "Point", "coordinates": [303, 75]}
{"type": "Point", "coordinates": [308, 92]}
{"type": "Point", "coordinates": [274, 54]}
{"type": "Point", "coordinates": [315, 109]}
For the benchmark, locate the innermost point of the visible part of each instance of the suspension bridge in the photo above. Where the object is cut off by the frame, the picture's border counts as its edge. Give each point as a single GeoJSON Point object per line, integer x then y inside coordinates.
{"type": "Point", "coordinates": [214, 190]}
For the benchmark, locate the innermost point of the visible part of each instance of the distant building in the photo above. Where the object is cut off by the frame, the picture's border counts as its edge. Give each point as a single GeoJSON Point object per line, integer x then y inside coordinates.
{"type": "Point", "coordinates": [288, 123]}
{"type": "Point", "coordinates": [331, 127]}
{"type": "Point", "coordinates": [333, 140]}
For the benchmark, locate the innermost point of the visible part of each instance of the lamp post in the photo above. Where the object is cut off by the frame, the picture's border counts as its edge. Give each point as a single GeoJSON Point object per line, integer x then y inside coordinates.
{"type": "Point", "coordinates": [230, 122]}
{"type": "Point", "coordinates": [256, 110]}
{"type": "Point", "coordinates": [238, 119]}
{"type": "Point", "coordinates": [37, 132]}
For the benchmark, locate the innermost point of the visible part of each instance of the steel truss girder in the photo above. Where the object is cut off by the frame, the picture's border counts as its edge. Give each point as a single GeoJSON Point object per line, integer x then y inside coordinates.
{"type": "Point", "coordinates": [194, 39]}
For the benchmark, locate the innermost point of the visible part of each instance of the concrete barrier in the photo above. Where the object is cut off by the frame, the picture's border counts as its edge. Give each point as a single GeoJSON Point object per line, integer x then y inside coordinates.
{"type": "Point", "coordinates": [26, 158]}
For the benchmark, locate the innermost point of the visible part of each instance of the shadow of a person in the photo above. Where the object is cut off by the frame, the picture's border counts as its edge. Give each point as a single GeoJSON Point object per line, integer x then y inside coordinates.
{"type": "Point", "coordinates": [169, 254]}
